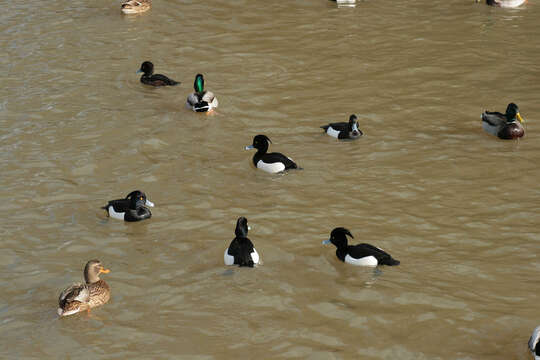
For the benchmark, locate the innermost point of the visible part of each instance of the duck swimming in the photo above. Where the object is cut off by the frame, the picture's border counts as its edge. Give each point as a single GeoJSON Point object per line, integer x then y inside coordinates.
{"type": "Point", "coordinates": [132, 208]}
{"type": "Point", "coordinates": [533, 343]}
{"type": "Point", "coordinates": [149, 78]}
{"type": "Point", "coordinates": [343, 130]}
{"type": "Point", "coordinates": [135, 6]}
{"type": "Point", "coordinates": [84, 296]}
{"type": "Point", "coordinates": [269, 162]}
{"type": "Point", "coordinates": [505, 126]}
{"type": "Point", "coordinates": [201, 100]}
{"type": "Point", "coordinates": [505, 3]}
{"type": "Point", "coordinates": [241, 251]}
{"type": "Point", "coordinates": [361, 254]}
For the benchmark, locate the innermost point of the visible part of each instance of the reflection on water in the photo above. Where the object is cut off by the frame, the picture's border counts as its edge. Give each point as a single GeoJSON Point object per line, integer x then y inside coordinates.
{"type": "Point", "coordinates": [456, 206]}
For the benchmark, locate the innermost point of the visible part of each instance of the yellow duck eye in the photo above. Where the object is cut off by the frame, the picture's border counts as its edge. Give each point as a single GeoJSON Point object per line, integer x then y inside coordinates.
{"type": "Point", "coordinates": [141, 198]}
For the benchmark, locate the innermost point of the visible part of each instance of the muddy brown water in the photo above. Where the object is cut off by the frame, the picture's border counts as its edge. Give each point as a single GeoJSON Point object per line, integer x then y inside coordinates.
{"type": "Point", "coordinates": [457, 207]}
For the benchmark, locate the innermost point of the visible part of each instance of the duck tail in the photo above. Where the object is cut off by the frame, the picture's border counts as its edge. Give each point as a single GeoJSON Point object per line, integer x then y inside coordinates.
{"type": "Point", "coordinates": [245, 259]}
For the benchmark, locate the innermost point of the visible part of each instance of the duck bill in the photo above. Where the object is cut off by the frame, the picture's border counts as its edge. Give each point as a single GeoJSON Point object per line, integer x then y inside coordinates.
{"type": "Point", "coordinates": [149, 203]}
{"type": "Point", "coordinates": [104, 271]}
{"type": "Point", "coordinates": [138, 71]}
{"type": "Point", "coordinates": [249, 147]}
{"type": "Point", "coordinates": [326, 242]}
{"type": "Point", "coordinates": [518, 116]}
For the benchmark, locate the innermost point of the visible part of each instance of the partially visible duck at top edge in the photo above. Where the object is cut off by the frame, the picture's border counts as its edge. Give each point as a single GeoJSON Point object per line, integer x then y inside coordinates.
{"type": "Point", "coordinates": [135, 6]}
{"type": "Point", "coordinates": [201, 100]}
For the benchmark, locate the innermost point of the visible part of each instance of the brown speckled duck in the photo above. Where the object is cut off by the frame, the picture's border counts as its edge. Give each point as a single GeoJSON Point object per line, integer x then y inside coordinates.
{"type": "Point", "coordinates": [84, 296]}
{"type": "Point", "coordinates": [505, 126]}
{"type": "Point", "coordinates": [136, 6]}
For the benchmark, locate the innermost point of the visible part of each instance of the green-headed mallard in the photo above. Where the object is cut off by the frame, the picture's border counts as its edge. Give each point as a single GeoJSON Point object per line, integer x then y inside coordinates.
{"type": "Point", "coordinates": [505, 126]}
{"type": "Point", "coordinates": [136, 6]}
{"type": "Point", "coordinates": [84, 296]}
{"type": "Point", "coordinates": [201, 100]}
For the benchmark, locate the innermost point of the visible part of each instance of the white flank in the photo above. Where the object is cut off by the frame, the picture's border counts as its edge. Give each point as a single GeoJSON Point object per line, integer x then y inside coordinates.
{"type": "Point", "coordinates": [271, 168]}
{"type": "Point", "coordinates": [255, 256]}
{"type": "Point", "coordinates": [365, 261]}
{"type": "Point", "coordinates": [114, 214]}
{"type": "Point", "coordinates": [511, 3]}
{"type": "Point", "coordinates": [214, 104]}
{"type": "Point", "coordinates": [332, 132]}
{"type": "Point", "coordinates": [229, 260]}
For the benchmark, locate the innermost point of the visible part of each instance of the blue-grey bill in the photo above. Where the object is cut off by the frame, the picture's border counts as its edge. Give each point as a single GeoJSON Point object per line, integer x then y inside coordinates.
{"type": "Point", "coordinates": [249, 147]}
{"type": "Point", "coordinates": [149, 203]}
{"type": "Point", "coordinates": [325, 242]}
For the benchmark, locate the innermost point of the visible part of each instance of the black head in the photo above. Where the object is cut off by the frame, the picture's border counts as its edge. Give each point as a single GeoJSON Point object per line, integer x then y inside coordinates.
{"type": "Point", "coordinates": [261, 142]}
{"type": "Point", "coordinates": [241, 230]}
{"type": "Point", "coordinates": [198, 84]}
{"type": "Point", "coordinates": [512, 110]}
{"type": "Point", "coordinates": [338, 236]}
{"type": "Point", "coordinates": [136, 199]}
{"type": "Point", "coordinates": [147, 68]}
{"type": "Point", "coordinates": [92, 270]}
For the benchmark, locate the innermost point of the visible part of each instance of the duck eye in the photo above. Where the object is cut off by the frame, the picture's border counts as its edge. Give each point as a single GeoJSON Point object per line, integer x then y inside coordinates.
{"type": "Point", "coordinates": [141, 198]}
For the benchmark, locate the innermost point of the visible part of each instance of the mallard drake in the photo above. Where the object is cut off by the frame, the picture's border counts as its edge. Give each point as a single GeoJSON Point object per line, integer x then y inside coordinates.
{"type": "Point", "coordinates": [533, 343]}
{"type": "Point", "coordinates": [505, 3]}
{"type": "Point", "coordinates": [241, 251]}
{"type": "Point", "coordinates": [84, 296]}
{"type": "Point", "coordinates": [201, 100]}
{"type": "Point", "coordinates": [343, 130]}
{"type": "Point", "coordinates": [505, 126]}
{"type": "Point", "coordinates": [136, 6]}
{"type": "Point", "coordinates": [149, 78]}
{"type": "Point", "coordinates": [361, 254]}
{"type": "Point", "coordinates": [132, 208]}
{"type": "Point", "coordinates": [269, 162]}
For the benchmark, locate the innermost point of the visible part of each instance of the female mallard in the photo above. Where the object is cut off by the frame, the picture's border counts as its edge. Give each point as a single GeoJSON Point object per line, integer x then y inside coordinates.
{"type": "Point", "coordinates": [505, 126]}
{"type": "Point", "coordinates": [136, 6]}
{"type": "Point", "coordinates": [201, 100]}
{"type": "Point", "coordinates": [506, 3]}
{"type": "Point", "coordinates": [79, 297]}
